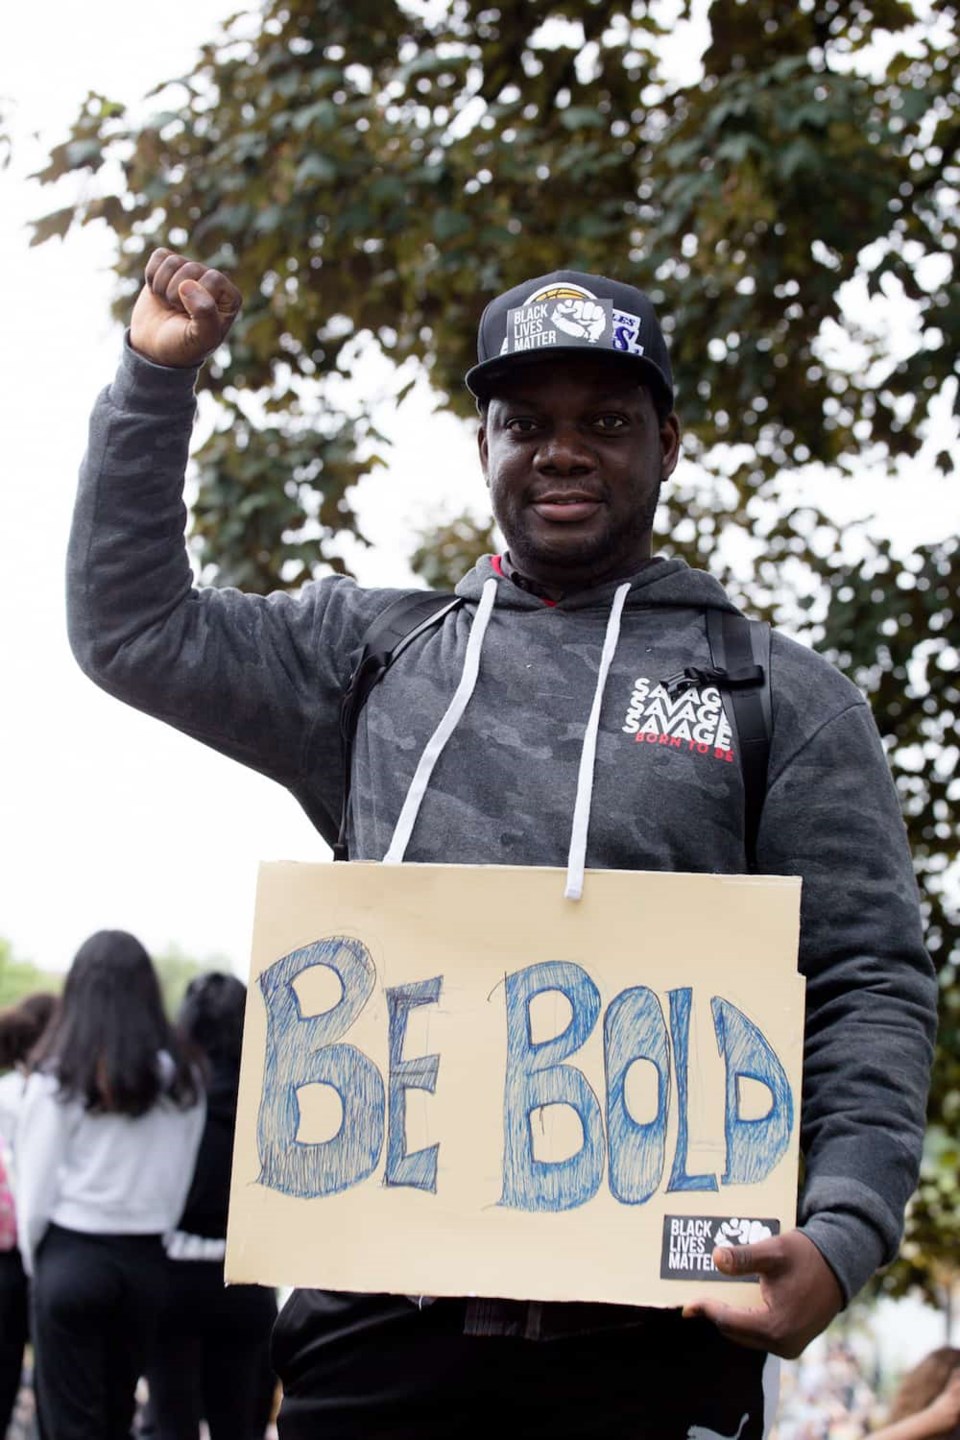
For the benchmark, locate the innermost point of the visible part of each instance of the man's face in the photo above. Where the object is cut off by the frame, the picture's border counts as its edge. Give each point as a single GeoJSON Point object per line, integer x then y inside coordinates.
{"type": "Point", "coordinates": [574, 455]}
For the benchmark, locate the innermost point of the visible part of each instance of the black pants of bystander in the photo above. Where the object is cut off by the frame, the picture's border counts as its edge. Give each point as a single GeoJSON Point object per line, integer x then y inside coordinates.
{"type": "Point", "coordinates": [95, 1303]}
{"type": "Point", "coordinates": [13, 1331]}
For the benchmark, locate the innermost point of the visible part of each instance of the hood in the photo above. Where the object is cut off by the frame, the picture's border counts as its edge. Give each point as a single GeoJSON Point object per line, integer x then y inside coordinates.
{"type": "Point", "coordinates": [660, 583]}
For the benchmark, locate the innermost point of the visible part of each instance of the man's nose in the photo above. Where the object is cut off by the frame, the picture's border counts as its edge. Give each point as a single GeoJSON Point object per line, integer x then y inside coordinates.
{"type": "Point", "coordinates": [565, 452]}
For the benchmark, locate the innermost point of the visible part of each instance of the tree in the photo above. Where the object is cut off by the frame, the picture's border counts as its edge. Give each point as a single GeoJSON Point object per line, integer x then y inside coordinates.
{"type": "Point", "coordinates": [176, 969]}
{"type": "Point", "coordinates": [371, 174]}
{"type": "Point", "coordinates": [902, 652]}
{"type": "Point", "coordinates": [20, 977]}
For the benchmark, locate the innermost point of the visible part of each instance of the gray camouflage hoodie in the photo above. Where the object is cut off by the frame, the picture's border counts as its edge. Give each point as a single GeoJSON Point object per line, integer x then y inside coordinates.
{"type": "Point", "coordinates": [261, 679]}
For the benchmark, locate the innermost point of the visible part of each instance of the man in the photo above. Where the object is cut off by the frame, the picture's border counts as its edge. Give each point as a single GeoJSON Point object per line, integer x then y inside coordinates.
{"type": "Point", "coordinates": [577, 434]}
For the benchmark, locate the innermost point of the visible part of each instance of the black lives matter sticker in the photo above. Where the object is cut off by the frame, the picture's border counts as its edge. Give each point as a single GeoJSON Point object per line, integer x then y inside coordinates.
{"type": "Point", "coordinates": [689, 1241]}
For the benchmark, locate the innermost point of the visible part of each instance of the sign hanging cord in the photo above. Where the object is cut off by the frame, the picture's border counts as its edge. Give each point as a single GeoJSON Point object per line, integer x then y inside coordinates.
{"type": "Point", "coordinates": [576, 859]}
{"type": "Point", "coordinates": [451, 719]}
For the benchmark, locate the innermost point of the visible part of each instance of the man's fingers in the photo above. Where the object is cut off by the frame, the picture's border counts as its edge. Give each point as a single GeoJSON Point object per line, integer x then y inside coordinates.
{"type": "Point", "coordinates": [169, 289]}
{"type": "Point", "coordinates": [754, 1329]}
{"type": "Point", "coordinates": [184, 311]}
{"type": "Point", "coordinates": [154, 263]}
{"type": "Point", "coordinates": [212, 302]}
{"type": "Point", "coordinates": [225, 294]}
{"type": "Point", "coordinates": [162, 281]}
{"type": "Point", "coordinates": [799, 1294]}
{"type": "Point", "coordinates": [201, 307]}
{"type": "Point", "coordinates": [166, 271]}
{"type": "Point", "coordinates": [746, 1327]}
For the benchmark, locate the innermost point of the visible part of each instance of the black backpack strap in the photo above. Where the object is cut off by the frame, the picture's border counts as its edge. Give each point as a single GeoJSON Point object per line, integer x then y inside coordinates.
{"type": "Point", "coordinates": [386, 637]}
{"type": "Point", "coordinates": [740, 652]}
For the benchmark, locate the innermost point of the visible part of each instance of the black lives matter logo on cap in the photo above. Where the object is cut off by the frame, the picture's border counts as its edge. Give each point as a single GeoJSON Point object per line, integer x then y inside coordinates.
{"type": "Point", "coordinates": [567, 314]}
{"type": "Point", "coordinates": [689, 1241]}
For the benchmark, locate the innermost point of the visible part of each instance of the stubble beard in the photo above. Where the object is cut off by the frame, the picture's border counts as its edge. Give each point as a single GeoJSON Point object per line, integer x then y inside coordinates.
{"type": "Point", "coordinates": [591, 559]}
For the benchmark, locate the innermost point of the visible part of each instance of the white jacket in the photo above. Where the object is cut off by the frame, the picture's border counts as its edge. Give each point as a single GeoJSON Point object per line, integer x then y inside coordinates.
{"type": "Point", "coordinates": [100, 1174]}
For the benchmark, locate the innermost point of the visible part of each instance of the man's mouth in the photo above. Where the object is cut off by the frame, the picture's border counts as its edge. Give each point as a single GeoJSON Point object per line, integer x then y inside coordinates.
{"type": "Point", "coordinates": [566, 507]}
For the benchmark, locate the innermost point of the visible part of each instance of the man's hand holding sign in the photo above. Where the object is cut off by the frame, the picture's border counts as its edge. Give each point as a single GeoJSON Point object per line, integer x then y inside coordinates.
{"type": "Point", "coordinates": [799, 1291]}
{"type": "Point", "coordinates": [563, 761]}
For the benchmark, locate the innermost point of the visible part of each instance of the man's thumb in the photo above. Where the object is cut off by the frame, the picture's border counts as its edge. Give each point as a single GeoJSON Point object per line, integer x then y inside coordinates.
{"type": "Point", "coordinates": [202, 312]}
{"type": "Point", "coordinates": [196, 299]}
{"type": "Point", "coordinates": [755, 1259]}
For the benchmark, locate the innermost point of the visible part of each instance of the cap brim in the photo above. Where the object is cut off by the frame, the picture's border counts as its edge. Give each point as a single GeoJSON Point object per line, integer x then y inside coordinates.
{"type": "Point", "coordinates": [483, 379]}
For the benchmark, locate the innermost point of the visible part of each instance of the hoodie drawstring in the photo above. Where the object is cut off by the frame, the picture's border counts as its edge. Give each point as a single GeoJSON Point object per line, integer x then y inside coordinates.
{"type": "Point", "coordinates": [451, 719]}
{"type": "Point", "coordinates": [576, 858]}
{"type": "Point", "coordinates": [434, 748]}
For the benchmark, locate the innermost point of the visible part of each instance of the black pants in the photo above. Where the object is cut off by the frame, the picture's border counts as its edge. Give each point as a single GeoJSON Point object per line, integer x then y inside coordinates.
{"type": "Point", "coordinates": [13, 1331]}
{"type": "Point", "coordinates": [380, 1369]}
{"type": "Point", "coordinates": [95, 1304]}
{"type": "Point", "coordinates": [211, 1356]}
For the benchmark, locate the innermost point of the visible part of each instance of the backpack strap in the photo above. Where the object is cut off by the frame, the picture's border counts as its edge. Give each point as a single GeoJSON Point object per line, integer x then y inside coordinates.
{"type": "Point", "coordinates": [740, 668]}
{"type": "Point", "coordinates": [740, 648]}
{"type": "Point", "coordinates": [386, 637]}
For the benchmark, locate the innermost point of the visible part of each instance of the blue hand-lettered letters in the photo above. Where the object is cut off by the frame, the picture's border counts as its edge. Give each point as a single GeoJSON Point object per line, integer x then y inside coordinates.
{"type": "Point", "coordinates": [537, 1076]}
{"type": "Point", "coordinates": [302, 1050]}
{"type": "Point", "coordinates": [419, 1169]}
{"type": "Point", "coordinates": [305, 1050]}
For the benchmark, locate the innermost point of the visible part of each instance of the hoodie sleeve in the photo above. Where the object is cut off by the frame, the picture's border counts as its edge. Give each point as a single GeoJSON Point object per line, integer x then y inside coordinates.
{"type": "Point", "coordinates": [258, 678]}
{"type": "Point", "coordinates": [832, 816]}
{"type": "Point", "coordinates": [43, 1132]}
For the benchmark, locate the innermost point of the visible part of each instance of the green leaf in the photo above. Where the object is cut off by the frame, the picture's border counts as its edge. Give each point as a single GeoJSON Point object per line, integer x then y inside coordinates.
{"type": "Point", "coordinates": [82, 154]}
{"type": "Point", "coordinates": [447, 224]}
{"type": "Point", "coordinates": [799, 156]}
{"type": "Point", "coordinates": [315, 167]}
{"type": "Point", "coordinates": [321, 115]}
{"type": "Point", "coordinates": [581, 117]}
{"type": "Point", "coordinates": [57, 223]}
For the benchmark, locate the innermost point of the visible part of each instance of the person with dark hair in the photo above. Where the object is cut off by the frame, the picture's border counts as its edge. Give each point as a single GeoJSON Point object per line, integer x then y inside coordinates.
{"type": "Point", "coordinates": [927, 1404]}
{"type": "Point", "coordinates": [211, 1358]}
{"type": "Point", "coordinates": [106, 1142]}
{"type": "Point", "coordinates": [21, 1026]}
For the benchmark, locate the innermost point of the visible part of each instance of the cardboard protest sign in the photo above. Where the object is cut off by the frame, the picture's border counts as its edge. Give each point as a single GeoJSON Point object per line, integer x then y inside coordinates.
{"type": "Point", "coordinates": [457, 1082]}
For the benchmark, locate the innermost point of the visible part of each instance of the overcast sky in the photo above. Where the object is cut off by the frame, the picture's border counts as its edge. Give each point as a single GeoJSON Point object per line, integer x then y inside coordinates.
{"type": "Point", "coordinates": [109, 818]}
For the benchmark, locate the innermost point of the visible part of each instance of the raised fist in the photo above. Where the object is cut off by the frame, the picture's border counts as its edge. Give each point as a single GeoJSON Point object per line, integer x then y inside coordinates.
{"type": "Point", "coordinates": [183, 311]}
{"type": "Point", "coordinates": [583, 318]}
{"type": "Point", "coordinates": [742, 1232]}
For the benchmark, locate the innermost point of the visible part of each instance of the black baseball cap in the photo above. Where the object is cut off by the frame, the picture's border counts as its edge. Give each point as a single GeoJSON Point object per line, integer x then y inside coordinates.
{"type": "Point", "coordinates": [565, 313]}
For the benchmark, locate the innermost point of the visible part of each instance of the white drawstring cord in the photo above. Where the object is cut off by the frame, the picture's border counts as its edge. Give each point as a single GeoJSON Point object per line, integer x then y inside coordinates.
{"type": "Point", "coordinates": [577, 856]}
{"type": "Point", "coordinates": [434, 746]}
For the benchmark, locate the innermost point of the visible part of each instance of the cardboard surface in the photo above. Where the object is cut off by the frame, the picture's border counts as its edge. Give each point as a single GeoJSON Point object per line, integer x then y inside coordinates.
{"type": "Point", "coordinates": [457, 1082]}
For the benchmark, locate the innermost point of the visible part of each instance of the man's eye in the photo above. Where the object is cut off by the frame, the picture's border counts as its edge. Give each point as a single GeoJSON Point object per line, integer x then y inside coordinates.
{"type": "Point", "coordinates": [521, 424]}
{"type": "Point", "coordinates": [610, 422]}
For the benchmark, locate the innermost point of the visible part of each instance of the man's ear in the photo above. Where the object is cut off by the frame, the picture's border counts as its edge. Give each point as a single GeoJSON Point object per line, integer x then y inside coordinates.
{"type": "Point", "coordinates": [482, 447]}
{"type": "Point", "coordinates": [669, 444]}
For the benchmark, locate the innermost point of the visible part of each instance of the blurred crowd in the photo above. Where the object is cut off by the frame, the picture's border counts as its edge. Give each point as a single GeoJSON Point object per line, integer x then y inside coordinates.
{"type": "Point", "coordinates": [828, 1396]}
{"type": "Point", "coordinates": [116, 1136]}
